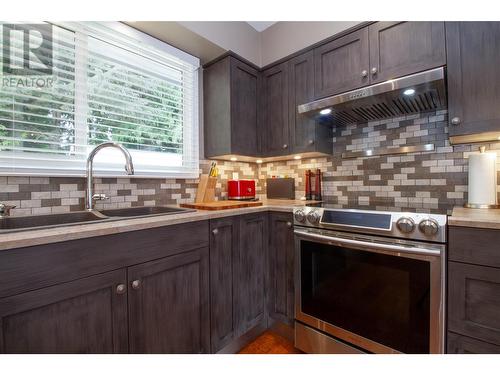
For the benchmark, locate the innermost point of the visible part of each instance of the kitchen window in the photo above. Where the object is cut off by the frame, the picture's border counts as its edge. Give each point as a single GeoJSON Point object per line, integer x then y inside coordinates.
{"type": "Point", "coordinates": [109, 82]}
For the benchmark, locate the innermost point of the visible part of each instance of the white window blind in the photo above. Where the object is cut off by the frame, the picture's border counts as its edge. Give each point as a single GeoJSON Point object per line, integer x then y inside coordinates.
{"type": "Point", "coordinates": [110, 83]}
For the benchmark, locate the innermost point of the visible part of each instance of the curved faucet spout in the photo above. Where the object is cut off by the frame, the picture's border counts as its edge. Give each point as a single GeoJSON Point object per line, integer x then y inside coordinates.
{"type": "Point", "coordinates": [129, 168]}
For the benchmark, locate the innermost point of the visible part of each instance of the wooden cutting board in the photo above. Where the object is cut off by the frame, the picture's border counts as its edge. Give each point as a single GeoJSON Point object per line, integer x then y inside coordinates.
{"type": "Point", "coordinates": [221, 205]}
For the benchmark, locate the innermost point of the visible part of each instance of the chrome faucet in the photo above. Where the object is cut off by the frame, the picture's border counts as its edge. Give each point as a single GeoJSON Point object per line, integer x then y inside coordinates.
{"type": "Point", "coordinates": [129, 168]}
{"type": "Point", "coordinates": [5, 209]}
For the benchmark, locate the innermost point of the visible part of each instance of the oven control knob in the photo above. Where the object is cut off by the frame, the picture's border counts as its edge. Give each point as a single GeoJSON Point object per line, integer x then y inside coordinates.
{"type": "Point", "coordinates": [300, 216]}
{"type": "Point", "coordinates": [313, 217]}
{"type": "Point", "coordinates": [405, 224]}
{"type": "Point", "coordinates": [429, 227]}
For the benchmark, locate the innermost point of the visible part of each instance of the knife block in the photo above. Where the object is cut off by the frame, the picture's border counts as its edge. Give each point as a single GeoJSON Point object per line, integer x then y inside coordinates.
{"type": "Point", "coordinates": [206, 189]}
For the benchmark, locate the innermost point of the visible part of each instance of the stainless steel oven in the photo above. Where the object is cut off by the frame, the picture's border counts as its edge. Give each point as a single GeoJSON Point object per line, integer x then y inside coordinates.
{"type": "Point", "coordinates": [361, 292]}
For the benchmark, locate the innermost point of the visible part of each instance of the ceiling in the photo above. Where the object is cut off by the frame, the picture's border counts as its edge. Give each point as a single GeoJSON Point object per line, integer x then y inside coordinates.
{"type": "Point", "coordinates": [260, 25]}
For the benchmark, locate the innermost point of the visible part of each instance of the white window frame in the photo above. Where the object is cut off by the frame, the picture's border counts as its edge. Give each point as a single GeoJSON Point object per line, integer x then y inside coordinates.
{"type": "Point", "coordinates": [191, 133]}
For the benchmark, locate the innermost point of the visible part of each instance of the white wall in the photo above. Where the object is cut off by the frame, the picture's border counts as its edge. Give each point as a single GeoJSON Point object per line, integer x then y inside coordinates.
{"type": "Point", "coordinates": [285, 38]}
{"type": "Point", "coordinates": [209, 39]}
{"type": "Point", "coordinates": [236, 36]}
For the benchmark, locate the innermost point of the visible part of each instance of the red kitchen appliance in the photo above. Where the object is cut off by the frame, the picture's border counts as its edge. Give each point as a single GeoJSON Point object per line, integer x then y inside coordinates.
{"type": "Point", "coordinates": [241, 189]}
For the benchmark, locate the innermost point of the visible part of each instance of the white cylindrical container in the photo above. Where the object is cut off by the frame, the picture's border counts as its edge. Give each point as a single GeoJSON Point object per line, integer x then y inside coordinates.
{"type": "Point", "coordinates": [482, 179]}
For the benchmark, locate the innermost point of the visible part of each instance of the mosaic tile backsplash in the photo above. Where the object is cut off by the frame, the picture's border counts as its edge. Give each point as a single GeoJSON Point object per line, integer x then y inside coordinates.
{"type": "Point", "coordinates": [425, 181]}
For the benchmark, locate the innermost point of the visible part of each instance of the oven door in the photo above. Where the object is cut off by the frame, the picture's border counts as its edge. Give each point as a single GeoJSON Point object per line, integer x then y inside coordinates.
{"type": "Point", "coordinates": [380, 295]}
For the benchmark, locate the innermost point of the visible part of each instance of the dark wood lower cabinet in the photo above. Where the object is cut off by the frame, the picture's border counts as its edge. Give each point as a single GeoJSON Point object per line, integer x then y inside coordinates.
{"type": "Point", "coordinates": [168, 305]}
{"type": "Point", "coordinates": [238, 260]}
{"type": "Point", "coordinates": [281, 269]}
{"type": "Point", "coordinates": [473, 291]}
{"type": "Point", "coordinates": [458, 344]}
{"type": "Point", "coordinates": [167, 296]}
{"type": "Point", "coordinates": [251, 263]}
{"type": "Point", "coordinates": [83, 316]}
{"type": "Point", "coordinates": [224, 241]}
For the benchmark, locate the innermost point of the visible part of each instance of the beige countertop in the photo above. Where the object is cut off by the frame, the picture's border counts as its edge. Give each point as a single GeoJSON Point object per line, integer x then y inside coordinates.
{"type": "Point", "coordinates": [66, 233]}
{"type": "Point", "coordinates": [475, 218]}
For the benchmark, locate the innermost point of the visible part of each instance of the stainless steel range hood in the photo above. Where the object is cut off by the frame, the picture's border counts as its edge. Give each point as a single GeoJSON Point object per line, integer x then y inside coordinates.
{"type": "Point", "coordinates": [397, 97]}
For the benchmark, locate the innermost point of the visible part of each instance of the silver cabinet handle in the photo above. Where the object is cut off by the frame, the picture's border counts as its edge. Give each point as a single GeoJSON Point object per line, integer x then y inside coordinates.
{"type": "Point", "coordinates": [120, 289]}
{"type": "Point", "coordinates": [374, 70]}
{"type": "Point", "coordinates": [215, 231]}
{"type": "Point", "coordinates": [364, 73]}
{"type": "Point", "coordinates": [136, 284]}
{"type": "Point", "coordinates": [311, 141]}
{"type": "Point", "coordinates": [289, 224]}
{"type": "Point", "coordinates": [455, 120]}
{"type": "Point", "coordinates": [358, 244]}
{"type": "Point", "coordinates": [285, 146]}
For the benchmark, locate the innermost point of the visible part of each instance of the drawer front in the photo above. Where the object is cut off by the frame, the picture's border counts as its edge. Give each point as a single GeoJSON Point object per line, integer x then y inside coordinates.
{"type": "Point", "coordinates": [458, 344]}
{"type": "Point", "coordinates": [474, 301]}
{"type": "Point", "coordinates": [475, 246]}
{"type": "Point", "coordinates": [36, 267]}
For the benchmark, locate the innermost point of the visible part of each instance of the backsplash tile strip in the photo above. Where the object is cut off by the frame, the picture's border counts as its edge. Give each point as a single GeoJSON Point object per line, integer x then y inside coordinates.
{"type": "Point", "coordinates": [425, 181]}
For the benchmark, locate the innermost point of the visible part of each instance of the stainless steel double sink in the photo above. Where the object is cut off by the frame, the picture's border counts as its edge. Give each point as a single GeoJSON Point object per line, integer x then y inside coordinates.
{"type": "Point", "coordinates": [22, 223]}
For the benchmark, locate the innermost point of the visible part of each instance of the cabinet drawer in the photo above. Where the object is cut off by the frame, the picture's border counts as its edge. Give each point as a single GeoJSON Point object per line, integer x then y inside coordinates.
{"type": "Point", "coordinates": [474, 301]}
{"type": "Point", "coordinates": [458, 344]}
{"type": "Point", "coordinates": [474, 245]}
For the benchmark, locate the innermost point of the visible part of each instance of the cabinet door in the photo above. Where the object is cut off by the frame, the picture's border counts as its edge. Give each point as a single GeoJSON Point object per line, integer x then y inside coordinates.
{"type": "Point", "coordinates": [342, 64]}
{"type": "Point", "coordinates": [458, 344]}
{"type": "Point", "coordinates": [275, 138]}
{"type": "Point", "coordinates": [474, 301]}
{"type": "Point", "coordinates": [83, 316]}
{"type": "Point", "coordinates": [244, 86]}
{"type": "Point", "coordinates": [223, 250]}
{"type": "Point", "coordinates": [473, 50]}
{"type": "Point", "coordinates": [300, 91]}
{"type": "Point", "coordinates": [168, 305]}
{"type": "Point", "coordinates": [250, 273]}
{"type": "Point", "coordinates": [281, 268]}
{"type": "Point", "coordinates": [401, 48]}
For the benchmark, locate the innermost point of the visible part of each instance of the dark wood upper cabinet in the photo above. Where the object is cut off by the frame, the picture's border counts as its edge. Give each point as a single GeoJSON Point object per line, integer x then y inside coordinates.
{"type": "Point", "coordinates": [474, 301]}
{"type": "Point", "coordinates": [306, 135]}
{"type": "Point", "coordinates": [401, 48]}
{"type": "Point", "coordinates": [342, 64]}
{"type": "Point", "coordinates": [169, 305]}
{"type": "Point", "coordinates": [274, 129]}
{"type": "Point", "coordinates": [473, 55]}
{"type": "Point", "coordinates": [230, 94]}
{"type": "Point", "coordinates": [281, 295]}
{"type": "Point", "coordinates": [224, 242]}
{"type": "Point", "coordinates": [83, 316]}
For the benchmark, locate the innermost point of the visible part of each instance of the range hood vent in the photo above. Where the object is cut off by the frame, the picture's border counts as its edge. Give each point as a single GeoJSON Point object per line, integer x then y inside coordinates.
{"type": "Point", "coordinates": [398, 97]}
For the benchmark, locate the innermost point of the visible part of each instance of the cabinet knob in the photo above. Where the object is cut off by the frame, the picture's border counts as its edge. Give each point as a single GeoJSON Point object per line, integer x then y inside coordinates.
{"type": "Point", "coordinates": [374, 70]}
{"type": "Point", "coordinates": [215, 231]}
{"type": "Point", "coordinates": [289, 224]}
{"type": "Point", "coordinates": [455, 120]}
{"type": "Point", "coordinates": [285, 146]}
{"type": "Point", "coordinates": [136, 284]}
{"type": "Point", "coordinates": [364, 73]}
{"type": "Point", "coordinates": [311, 142]}
{"type": "Point", "coordinates": [120, 289]}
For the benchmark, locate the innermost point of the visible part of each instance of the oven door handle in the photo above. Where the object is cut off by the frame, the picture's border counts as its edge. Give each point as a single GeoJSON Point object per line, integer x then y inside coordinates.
{"type": "Point", "coordinates": [364, 245]}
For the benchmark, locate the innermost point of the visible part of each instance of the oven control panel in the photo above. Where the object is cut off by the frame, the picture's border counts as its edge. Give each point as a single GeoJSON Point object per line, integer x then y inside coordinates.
{"type": "Point", "coordinates": [409, 225]}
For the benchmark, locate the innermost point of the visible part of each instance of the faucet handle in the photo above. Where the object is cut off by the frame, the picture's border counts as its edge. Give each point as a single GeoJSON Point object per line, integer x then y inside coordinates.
{"type": "Point", "coordinates": [100, 197]}
{"type": "Point", "coordinates": [5, 209]}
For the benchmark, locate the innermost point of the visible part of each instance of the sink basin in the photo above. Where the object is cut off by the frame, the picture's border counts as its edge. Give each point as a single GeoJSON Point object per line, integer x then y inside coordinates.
{"type": "Point", "coordinates": [26, 222]}
{"type": "Point", "coordinates": [144, 211]}
{"type": "Point", "coordinates": [20, 223]}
